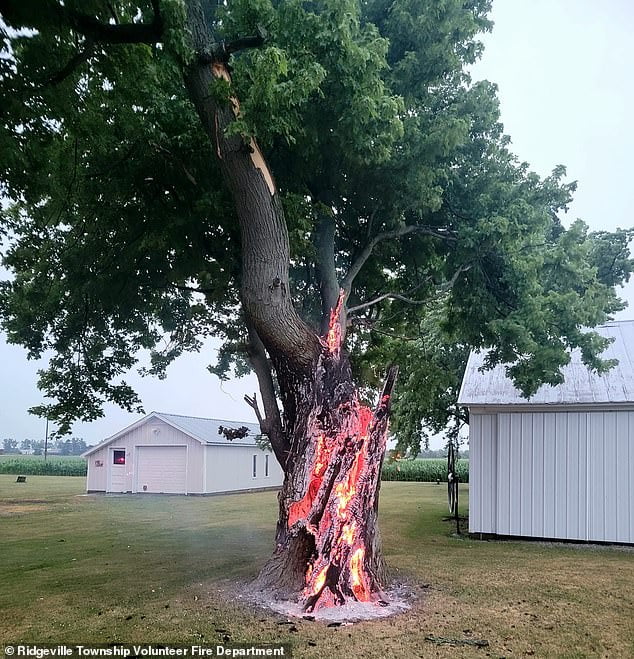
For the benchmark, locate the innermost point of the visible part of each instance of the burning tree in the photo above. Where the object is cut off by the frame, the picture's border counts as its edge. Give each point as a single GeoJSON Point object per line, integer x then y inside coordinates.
{"type": "Point", "coordinates": [313, 182]}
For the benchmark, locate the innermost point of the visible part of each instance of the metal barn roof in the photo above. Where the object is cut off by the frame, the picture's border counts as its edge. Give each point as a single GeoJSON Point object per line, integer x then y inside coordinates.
{"type": "Point", "coordinates": [206, 430]}
{"type": "Point", "coordinates": [580, 386]}
{"type": "Point", "coordinates": [201, 429]}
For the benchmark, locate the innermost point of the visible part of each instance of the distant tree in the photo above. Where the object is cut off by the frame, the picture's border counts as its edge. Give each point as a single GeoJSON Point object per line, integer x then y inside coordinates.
{"type": "Point", "coordinates": [379, 217]}
{"type": "Point", "coordinates": [37, 445]}
{"type": "Point", "coordinates": [78, 446]}
{"type": "Point", "coordinates": [25, 445]}
{"type": "Point", "coordinates": [64, 447]}
{"type": "Point", "coordinates": [74, 446]}
{"type": "Point", "coordinates": [10, 445]}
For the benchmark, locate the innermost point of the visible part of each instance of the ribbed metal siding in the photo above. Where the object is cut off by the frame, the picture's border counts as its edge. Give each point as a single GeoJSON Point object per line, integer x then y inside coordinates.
{"type": "Point", "coordinates": [611, 459]}
{"type": "Point", "coordinates": [567, 475]}
{"type": "Point", "coordinates": [482, 517]}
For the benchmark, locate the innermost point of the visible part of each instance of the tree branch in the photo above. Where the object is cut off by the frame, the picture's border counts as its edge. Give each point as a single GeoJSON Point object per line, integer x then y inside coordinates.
{"type": "Point", "coordinates": [328, 282]}
{"type": "Point", "coordinates": [442, 288]}
{"type": "Point", "coordinates": [222, 50]}
{"type": "Point", "coordinates": [77, 60]}
{"type": "Point", "coordinates": [18, 13]}
{"type": "Point", "coordinates": [355, 268]}
{"type": "Point", "coordinates": [99, 32]}
{"type": "Point", "coordinates": [252, 402]}
{"type": "Point", "coordinates": [271, 423]}
{"type": "Point", "coordinates": [394, 296]}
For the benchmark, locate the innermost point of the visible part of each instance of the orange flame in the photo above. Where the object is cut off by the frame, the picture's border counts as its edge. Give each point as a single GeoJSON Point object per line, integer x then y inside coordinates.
{"type": "Point", "coordinates": [344, 493]}
{"type": "Point", "coordinates": [359, 587]}
{"type": "Point", "coordinates": [320, 580]}
{"type": "Point", "coordinates": [335, 501]}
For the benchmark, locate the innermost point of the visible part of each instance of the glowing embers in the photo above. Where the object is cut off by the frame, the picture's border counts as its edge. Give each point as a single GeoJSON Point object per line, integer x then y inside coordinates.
{"type": "Point", "coordinates": [333, 337]}
{"type": "Point", "coordinates": [319, 582]}
{"type": "Point", "coordinates": [347, 533]}
{"type": "Point", "coordinates": [300, 510]}
{"type": "Point", "coordinates": [338, 573]}
{"type": "Point", "coordinates": [345, 442]}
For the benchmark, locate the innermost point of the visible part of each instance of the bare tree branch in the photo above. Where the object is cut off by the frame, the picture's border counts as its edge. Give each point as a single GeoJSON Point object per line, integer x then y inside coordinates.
{"type": "Point", "coordinates": [252, 402]}
{"type": "Point", "coordinates": [355, 268]}
{"type": "Point", "coordinates": [394, 296]}
{"type": "Point", "coordinates": [271, 422]}
{"type": "Point", "coordinates": [442, 288]}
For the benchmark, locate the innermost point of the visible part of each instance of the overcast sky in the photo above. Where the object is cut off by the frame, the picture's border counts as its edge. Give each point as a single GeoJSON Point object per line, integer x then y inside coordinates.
{"type": "Point", "coordinates": [563, 68]}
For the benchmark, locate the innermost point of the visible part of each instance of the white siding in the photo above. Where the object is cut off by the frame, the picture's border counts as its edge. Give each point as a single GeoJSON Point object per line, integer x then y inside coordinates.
{"type": "Point", "coordinates": [231, 468]}
{"type": "Point", "coordinates": [154, 457]}
{"type": "Point", "coordinates": [97, 477]}
{"type": "Point", "coordinates": [153, 433]}
{"type": "Point", "coordinates": [482, 470]}
{"type": "Point", "coordinates": [567, 475]}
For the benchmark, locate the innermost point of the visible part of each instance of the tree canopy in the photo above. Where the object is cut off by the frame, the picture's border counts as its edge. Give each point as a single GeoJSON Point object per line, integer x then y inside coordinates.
{"type": "Point", "coordinates": [397, 182]}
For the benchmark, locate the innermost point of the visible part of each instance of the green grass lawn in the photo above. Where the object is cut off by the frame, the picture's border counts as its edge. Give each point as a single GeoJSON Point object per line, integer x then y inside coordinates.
{"type": "Point", "coordinates": [147, 569]}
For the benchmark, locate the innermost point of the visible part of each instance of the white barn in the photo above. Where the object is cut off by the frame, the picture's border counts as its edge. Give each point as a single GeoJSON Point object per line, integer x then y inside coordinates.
{"type": "Point", "coordinates": [560, 465]}
{"type": "Point", "coordinates": [169, 453]}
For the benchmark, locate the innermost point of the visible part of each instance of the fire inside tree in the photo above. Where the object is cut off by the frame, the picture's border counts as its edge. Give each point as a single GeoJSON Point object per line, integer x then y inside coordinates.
{"type": "Point", "coordinates": [342, 458]}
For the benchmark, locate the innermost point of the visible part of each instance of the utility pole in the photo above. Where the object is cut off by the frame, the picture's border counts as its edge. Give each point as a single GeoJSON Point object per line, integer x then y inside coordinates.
{"type": "Point", "coordinates": [46, 439]}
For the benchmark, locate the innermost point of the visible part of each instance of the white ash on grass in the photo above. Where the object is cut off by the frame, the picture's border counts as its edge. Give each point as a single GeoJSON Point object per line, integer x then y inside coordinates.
{"type": "Point", "coordinates": [397, 600]}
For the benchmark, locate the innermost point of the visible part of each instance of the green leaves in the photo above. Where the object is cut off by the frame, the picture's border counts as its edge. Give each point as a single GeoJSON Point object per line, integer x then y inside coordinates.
{"type": "Point", "coordinates": [121, 236]}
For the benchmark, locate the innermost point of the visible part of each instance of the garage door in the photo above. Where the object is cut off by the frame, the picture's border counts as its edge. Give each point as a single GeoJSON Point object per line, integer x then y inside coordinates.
{"type": "Point", "coordinates": [162, 469]}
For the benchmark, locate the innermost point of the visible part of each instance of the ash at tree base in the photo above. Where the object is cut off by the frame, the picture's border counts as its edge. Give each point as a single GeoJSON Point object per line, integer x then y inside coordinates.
{"type": "Point", "coordinates": [398, 600]}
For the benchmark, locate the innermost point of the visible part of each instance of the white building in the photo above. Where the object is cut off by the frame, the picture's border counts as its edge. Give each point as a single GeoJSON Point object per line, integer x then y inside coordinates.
{"type": "Point", "coordinates": [168, 453]}
{"type": "Point", "coordinates": [560, 465]}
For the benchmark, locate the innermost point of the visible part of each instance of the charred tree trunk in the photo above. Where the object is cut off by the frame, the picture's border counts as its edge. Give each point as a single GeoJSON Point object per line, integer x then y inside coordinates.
{"type": "Point", "coordinates": [327, 542]}
{"type": "Point", "coordinates": [330, 446]}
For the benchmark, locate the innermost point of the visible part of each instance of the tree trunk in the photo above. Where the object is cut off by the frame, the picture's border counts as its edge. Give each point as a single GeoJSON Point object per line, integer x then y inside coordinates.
{"type": "Point", "coordinates": [329, 445]}
{"type": "Point", "coordinates": [327, 541]}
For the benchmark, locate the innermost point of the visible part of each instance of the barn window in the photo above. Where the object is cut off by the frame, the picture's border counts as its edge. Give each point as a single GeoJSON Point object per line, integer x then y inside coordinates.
{"type": "Point", "coordinates": [266, 465]}
{"type": "Point", "coordinates": [118, 457]}
{"type": "Point", "coordinates": [255, 466]}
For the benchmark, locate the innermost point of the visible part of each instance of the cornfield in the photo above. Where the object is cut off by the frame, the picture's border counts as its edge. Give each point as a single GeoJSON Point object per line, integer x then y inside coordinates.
{"type": "Point", "coordinates": [428, 471]}
{"type": "Point", "coordinates": [37, 466]}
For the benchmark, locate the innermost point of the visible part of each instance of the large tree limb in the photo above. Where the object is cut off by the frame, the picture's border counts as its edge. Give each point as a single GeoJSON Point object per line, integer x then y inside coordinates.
{"type": "Point", "coordinates": [266, 296]}
{"type": "Point", "coordinates": [366, 252]}
{"type": "Point", "coordinates": [328, 282]}
{"type": "Point", "coordinates": [222, 50]}
{"type": "Point", "coordinates": [21, 13]}
{"type": "Point", "coordinates": [271, 423]}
